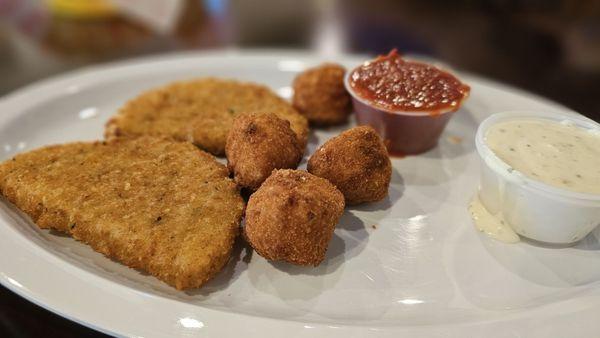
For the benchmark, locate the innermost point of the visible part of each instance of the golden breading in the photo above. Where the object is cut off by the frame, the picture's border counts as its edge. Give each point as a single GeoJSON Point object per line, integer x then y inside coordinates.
{"type": "Point", "coordinates": [319, 94]}
{"type": "Point", "coordinates": [200, 111]}
{"type": "Point", "coordinates": [257, 144]}
{"type": "Point", "coordinates": [291, 217]}
{"type": "Point", "coordinates": [357, 163]}
{"type": "Point", "coordinates": [164, 207]}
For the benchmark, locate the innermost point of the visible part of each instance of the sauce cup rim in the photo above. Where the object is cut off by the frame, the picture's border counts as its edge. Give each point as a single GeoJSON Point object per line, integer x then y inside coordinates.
{"type": "Point", "coordinates": [424, 113]}
{"type": "Point", "coordinates": [507, 172]}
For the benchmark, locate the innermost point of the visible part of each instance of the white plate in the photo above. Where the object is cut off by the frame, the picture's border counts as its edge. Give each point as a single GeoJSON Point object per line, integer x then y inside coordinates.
{"type": "Point", "coordinates": [423, 270]}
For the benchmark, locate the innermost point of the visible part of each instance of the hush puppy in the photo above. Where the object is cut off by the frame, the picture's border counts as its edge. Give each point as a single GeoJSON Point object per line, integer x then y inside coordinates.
{"type": "Point", "coordinates": [291, 217]}
{"type": "Point", "coordinates": [257, 144]}
{"type": "Point", "coordinates": [319, 94]}
{"type": "Point", "coordinates": [357, 163]}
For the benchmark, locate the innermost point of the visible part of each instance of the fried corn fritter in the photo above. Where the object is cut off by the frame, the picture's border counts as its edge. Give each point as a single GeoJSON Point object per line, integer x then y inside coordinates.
{"type": "Point", "coordinates": [164, 207]}
{"type": "Point", "coordinates": [320, 95]}
{"type": "Point", "coordinates": [357, 163]}
{"type": "Point", "coordinates": [201, 111]}
{"type": "Point", "coordinates": [291, 217]}
{"type": "Point", "coordinates": [257, 144]}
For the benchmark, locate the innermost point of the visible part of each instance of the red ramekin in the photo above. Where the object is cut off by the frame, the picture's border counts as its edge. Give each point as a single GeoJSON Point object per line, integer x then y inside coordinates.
{"type": "Point", "coordinates": [403, 132]}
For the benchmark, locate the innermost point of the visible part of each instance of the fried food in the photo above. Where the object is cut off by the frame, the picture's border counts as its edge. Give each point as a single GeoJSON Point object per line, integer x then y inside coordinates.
{"type": "Point", "coordinates": [319, 94]}
{"type": "Point", "coordinates": [357, 163]}
{"type": "Point", "coordinates": [291, 217]}
{"type": "Point", "coordinates": [164, 207]}
{"type": "Point", "coordinates": [201, 111]}
{"type": "Point", "coordinates": [257, 144]}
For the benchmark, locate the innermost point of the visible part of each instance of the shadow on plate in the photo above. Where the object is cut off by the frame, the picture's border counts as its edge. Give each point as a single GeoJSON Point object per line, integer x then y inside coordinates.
{"type": "Point", "coordinates": [329, 265]}
{"type": "Point", "coordinates": [240, 258]}
{"type": "Point", "coordinates": [498, 276]}
{"type": "Point", "coordinates": [448, 160]}
{"type": "Point", "coordinates": [458, 138]}
{"type": "Point", "coordinates": [589, 242]}
{"type": "Point", "coordinates": [57, 233]}
{"type": "Point", "coordinates": [550, 264]}
{"type": "Point", "coordinates": [348, 241]}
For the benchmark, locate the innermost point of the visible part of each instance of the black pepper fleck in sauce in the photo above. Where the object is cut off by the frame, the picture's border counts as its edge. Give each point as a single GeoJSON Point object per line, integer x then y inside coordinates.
{"type": "Point", "coordinates": [393, 83]}
{"type": "Point", "coordinates": [556, 153]}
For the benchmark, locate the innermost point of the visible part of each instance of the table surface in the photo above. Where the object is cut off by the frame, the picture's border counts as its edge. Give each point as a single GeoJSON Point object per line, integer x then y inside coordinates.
{"type": "Point", "coordinates": [553, 51]}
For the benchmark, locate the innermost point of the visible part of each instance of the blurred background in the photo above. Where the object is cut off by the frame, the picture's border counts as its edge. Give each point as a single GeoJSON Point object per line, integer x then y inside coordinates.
{"type": "Point", "coordinates": [548, 47]}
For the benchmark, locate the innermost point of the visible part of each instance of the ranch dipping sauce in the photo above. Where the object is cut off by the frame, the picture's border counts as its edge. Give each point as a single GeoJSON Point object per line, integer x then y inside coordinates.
{"type": "Point", "coordinates": [540, 177]}
{"type": "Point", "coordinates": [492, 225]}
{"type": "Point", "coordinates": [558, 154]}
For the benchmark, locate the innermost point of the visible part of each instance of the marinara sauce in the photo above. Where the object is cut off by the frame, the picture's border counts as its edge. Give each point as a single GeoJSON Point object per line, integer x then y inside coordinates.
{"type": "Point", "coordinates": [394, 84]}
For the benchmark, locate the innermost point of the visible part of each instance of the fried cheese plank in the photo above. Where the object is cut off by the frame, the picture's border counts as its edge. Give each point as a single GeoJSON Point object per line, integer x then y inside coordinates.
{"type": "Point", "coordinates": [155, 205]}
{"type": "Point", "coordinates": [201, 111]}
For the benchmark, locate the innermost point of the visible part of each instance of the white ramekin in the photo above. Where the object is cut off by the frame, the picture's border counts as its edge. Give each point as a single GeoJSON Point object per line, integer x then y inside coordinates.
{"type": "Point", "coordinates": [534, 209]}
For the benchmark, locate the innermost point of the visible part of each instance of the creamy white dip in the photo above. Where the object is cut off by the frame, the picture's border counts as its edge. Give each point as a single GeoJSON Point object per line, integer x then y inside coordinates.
{"type": "Point", "coordinates": [492, 225]}
{"type": "Point", "coordinates": [559, 154]}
